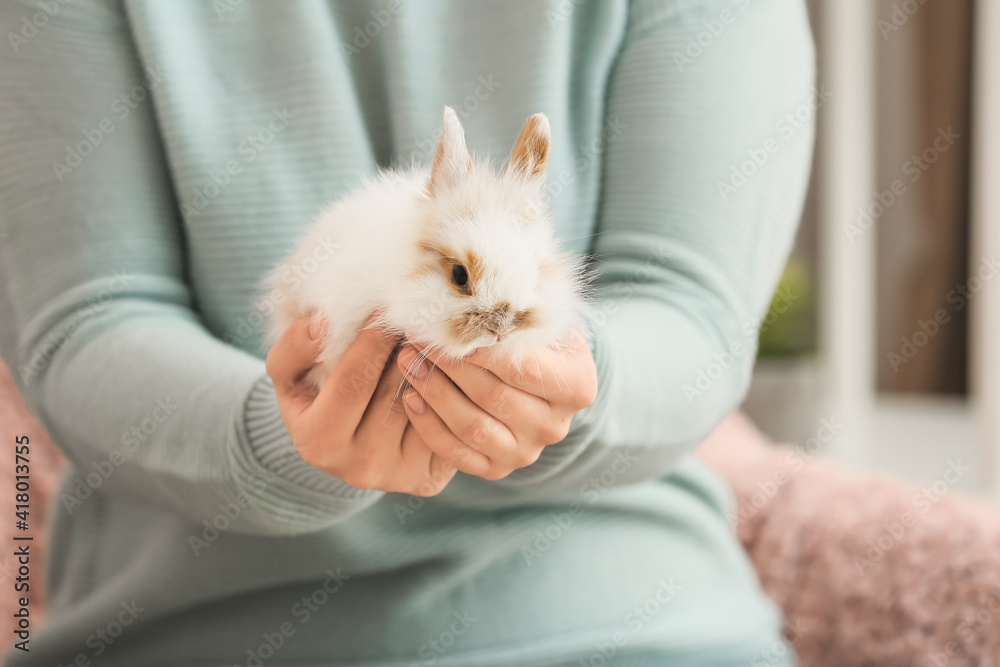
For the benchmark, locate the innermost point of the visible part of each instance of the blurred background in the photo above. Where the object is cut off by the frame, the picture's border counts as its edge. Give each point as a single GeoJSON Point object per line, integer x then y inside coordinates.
{"type": "Point", "coordinates": [886, 318]}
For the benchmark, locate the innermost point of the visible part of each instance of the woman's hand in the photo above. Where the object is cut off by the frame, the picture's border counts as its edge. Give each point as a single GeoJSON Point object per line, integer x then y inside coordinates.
{"type": "Point", "coordinates": [490, 418]}
{"type": "Point", "coordinates": [355, 427]}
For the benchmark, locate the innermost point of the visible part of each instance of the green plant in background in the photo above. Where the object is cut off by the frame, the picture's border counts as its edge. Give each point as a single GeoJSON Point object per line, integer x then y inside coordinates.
{"type": "Point", "coordinates": [789, 328]}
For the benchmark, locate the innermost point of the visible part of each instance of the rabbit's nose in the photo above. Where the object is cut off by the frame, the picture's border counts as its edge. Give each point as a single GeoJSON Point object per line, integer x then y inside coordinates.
{"type": "Point", "coordinates": [500, 327]}
{"type": "Point", "coordinates": [499, 324]}
{"type": "Point", "coordinates": [499, 320]}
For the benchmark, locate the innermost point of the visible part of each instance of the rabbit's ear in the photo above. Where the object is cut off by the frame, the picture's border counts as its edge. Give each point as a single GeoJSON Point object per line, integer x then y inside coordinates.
{"type": "Point", "coordinates": [452, 160]}
{"type": "Point", "coordinates": [531, 151]}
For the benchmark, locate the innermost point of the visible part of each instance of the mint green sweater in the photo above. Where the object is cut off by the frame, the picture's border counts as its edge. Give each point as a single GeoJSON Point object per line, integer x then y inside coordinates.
{"type": "Point", "coordinates": [158, 157]}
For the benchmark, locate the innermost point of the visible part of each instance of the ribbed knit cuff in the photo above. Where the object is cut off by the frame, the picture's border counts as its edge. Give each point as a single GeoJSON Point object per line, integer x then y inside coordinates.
{"type": "Point", "coordinates": [584, 428]}
{"type": "Point", "coordinates": [284, 485]}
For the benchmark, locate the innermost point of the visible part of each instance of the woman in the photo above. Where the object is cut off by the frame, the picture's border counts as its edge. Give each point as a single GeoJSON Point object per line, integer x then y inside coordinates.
{"type": "Point", "coordinates": [156, 159]}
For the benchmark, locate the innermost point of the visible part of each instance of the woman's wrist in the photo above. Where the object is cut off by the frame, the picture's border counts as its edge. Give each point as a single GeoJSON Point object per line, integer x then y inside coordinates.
{"type": "Point", "coordinates": [272, 473]}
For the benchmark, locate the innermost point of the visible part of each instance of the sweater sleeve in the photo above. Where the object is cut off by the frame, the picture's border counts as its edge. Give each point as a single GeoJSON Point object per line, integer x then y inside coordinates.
{"type": "Point", "coordinates": [702, 193]}
{"type": "Point", "coordinates": [98, 325]}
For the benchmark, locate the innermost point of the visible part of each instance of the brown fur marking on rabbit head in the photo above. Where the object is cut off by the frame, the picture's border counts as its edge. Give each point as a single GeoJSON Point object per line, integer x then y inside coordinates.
{"type": "Point", "coordinates": [442, 259]}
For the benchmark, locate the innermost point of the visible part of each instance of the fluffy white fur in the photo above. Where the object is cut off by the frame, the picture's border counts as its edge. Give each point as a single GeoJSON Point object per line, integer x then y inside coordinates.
{"type": "Point", "coordinates": [375, 251]}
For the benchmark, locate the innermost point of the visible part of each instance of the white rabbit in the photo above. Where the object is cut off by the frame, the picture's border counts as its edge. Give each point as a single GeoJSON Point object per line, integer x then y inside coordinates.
{"type": "Point", "coordinates": [457, 257]}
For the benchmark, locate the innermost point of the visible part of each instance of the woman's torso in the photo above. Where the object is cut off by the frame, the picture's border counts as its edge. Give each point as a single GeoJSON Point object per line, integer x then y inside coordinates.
{"type": "Point", "coordinates": [267, 111]}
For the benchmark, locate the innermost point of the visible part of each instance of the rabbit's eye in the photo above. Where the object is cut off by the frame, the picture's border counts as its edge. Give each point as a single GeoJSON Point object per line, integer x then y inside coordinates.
{"type": "Point", "coordinates": [460, 275]}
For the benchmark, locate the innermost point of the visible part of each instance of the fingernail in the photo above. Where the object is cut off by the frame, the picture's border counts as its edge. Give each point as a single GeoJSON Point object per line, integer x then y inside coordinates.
{"type": "Point", "coordinates": [407, 357]}
{"type": "Point", "coordinates": [414, 402]}
{"type": "Point", "coordinates": [315, 328]}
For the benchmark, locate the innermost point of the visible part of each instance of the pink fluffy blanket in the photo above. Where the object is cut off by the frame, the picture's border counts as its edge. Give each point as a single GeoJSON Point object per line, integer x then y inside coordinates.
{"type": "Point", "coordinates": [869, 571]}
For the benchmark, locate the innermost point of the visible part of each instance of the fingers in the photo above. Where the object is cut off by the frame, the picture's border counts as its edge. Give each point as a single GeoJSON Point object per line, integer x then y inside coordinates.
{"type": "Point", "coordinates": [409, 466]}
{"type": "Point", "coordinates": [355, 427]}
{"type": "Point", "coordinates": [467, 422]}
{"type": "Point", "coordinates": [385, 417]}
{"type": "Point", "coordinates": [290, 358]}
{"type": "Point", "coordinates": [417, 457]}
{"type": "Point", "coordinates": [441, 440]}
{"type": "Point", "coordinates": [505, 402]}
{"type": "Point", "coordinates": [352, 383]}
{"type": "Point", "coordinates": [563, 375]}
